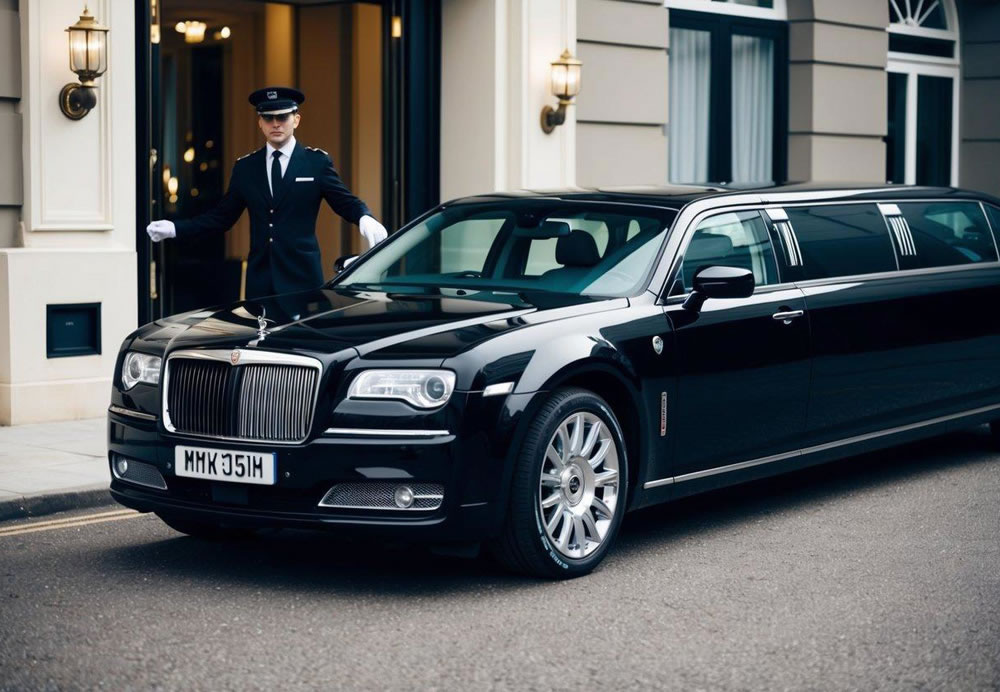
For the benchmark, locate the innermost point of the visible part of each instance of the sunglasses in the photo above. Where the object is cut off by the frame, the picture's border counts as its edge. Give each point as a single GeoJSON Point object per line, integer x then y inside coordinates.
{"type": "Point", "coordinates": [270, 118]}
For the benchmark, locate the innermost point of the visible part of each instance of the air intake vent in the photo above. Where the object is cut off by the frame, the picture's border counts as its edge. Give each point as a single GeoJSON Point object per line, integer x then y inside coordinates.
{"type": "Point", "coordinates": [137, 472]}
{"type": "Point", "coordinates": [384, 495]}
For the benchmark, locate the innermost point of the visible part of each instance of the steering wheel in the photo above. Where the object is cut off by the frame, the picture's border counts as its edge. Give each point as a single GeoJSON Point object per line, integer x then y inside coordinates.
{"type": "Point", "coordinates": [467, 274]}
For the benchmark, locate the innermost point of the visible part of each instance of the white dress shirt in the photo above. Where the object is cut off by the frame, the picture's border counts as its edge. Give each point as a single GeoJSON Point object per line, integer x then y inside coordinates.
{"type": "Point", "coordinates": [286, 156]}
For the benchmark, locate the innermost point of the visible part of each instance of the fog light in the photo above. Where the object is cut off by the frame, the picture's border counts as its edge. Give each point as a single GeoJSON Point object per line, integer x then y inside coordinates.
{"type": "Point", "coordinates": [403, 497]}
{"type": "Point", "coordinates": [121, 466]}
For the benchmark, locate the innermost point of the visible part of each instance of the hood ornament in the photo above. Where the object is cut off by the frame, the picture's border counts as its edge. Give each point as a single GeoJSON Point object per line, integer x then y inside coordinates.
{"type": "Point", "coordinates": [234, 357]}
{"type": "Point", "coordinates": [262, 330]}
{"type": "Point", "coordinates": [262, 321]}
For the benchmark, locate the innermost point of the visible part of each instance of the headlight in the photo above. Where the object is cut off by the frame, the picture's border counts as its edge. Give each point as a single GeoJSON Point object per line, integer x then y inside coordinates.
{"type": "Point", "coordinates": [420, 388]}
{"type": "Point", "coordinates": [139, 367]}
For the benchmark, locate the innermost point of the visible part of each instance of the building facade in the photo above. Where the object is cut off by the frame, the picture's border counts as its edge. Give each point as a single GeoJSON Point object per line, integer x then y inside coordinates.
{"type": "Point", "coordinates": [422, 101]}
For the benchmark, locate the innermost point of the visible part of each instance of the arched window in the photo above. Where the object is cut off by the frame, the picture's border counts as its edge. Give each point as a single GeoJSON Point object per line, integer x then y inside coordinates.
{"type": "Point", "coordinates": [923, 66]}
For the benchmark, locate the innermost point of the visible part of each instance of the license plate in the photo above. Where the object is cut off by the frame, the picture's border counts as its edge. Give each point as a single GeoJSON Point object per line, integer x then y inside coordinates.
{"type": "Point", "coordinates": [225, 465]}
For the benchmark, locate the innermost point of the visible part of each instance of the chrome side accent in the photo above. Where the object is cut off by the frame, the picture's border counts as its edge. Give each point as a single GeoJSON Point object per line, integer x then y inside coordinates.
{"type": "Point", "coordinates": [904, 237]}
{"type": "Point", "coordinates": [498, 389]}
{"type": "Point", "coordinates": [129, 412]}
{"type": "Point", "coordinates": [373, 432]}
{"type": "Point", "coordinates": [889, 209]}
{"type": "Point", "coordinates": [817, 448]}
{"type": "Point", "coordinates": [793, 254]}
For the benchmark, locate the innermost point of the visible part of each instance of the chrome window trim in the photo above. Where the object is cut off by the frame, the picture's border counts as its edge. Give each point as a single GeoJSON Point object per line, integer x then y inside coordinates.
{"type": "Point", "coordinates": [129, 412]}
{"type": "Point", "coordinates": [247, 357]}
{"type": "Point", "coordinates": [694, 212]}
{"type": "Point", "coordinates": [670, 480]}
{"type": "Point", "coordinates": [375, 432]}
{"type": "Point", "coordinates": [989, 225]}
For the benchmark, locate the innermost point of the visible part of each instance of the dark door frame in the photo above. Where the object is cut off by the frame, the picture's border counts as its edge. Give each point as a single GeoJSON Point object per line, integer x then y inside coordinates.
{"type": "Point", "coordinates": [411, 89]}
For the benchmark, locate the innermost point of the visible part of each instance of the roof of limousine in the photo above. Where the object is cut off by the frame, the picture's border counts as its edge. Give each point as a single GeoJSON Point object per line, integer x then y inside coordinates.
{"type": "Point", "coordinates": [677, 196]}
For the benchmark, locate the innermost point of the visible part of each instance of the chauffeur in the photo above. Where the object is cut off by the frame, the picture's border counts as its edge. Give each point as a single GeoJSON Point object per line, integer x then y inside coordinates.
{"type": "Point", "coordinates": [282, 185]}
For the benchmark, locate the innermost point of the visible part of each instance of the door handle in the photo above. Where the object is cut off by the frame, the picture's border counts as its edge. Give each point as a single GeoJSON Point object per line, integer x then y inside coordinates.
{"type": "Point", "coordinates": [787, 316]}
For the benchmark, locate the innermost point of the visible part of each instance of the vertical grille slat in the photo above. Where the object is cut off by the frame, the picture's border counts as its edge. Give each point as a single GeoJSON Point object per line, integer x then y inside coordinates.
{"type": "Point", "coordinates": [272, 402]}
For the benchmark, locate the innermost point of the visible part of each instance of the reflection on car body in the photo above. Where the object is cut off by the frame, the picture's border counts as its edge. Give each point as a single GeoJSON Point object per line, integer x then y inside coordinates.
{"type": "Point", "coordinates": [521, 370]}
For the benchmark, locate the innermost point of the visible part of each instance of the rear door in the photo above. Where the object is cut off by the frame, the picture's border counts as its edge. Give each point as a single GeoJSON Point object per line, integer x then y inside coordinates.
{"type": "Point", "coordinates": [742, 364]}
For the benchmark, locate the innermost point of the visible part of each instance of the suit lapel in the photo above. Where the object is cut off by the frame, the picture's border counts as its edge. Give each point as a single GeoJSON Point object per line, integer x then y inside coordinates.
{"type": "Point", "coordinates": [288, 179]}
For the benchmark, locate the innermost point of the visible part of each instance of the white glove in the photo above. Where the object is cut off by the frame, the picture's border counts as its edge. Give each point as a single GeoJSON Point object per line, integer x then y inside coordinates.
{"type": "Point", "coordinates": [372, 230]}
{"type": "Point", "coordinates": [160, 230]}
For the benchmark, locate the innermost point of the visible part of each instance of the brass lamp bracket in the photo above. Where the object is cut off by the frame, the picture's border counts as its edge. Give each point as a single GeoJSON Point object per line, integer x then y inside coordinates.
{"type": "Point", "coordinates": [554, 117]}
{"type": "Point", "coordinates": [76, 100]}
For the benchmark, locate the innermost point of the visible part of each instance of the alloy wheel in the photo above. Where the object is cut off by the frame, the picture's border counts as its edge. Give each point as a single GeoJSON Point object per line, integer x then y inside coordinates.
{"type": "Point", "coordinates": [578, 486]}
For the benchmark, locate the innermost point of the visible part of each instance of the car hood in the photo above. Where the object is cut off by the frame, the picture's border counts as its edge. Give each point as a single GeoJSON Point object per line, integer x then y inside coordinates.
{"type": "Point", "coordinates": [429, 323]}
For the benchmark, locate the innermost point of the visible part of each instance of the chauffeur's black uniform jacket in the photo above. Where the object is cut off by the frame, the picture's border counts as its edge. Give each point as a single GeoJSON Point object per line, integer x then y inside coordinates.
{"type": "Point", "coordinates": [284, 253]}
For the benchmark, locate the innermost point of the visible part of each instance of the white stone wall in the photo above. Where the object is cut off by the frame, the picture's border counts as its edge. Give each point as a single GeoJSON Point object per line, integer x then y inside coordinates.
{"type": "Point", "coordinates": [76, 235]}
{"type": "Point", "coordinates": [495, 62]}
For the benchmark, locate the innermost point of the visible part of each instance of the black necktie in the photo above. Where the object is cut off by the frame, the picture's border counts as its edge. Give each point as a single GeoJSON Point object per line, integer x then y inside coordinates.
{"type": "Point", "coordinates": [275, 174]}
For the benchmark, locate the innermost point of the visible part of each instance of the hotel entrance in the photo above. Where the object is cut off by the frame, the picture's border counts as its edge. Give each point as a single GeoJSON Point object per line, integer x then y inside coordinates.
{"type": "Point", "coordinates": [356, 62]}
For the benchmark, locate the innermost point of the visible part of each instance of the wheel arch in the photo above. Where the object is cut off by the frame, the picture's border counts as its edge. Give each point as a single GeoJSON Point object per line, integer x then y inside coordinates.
{"type": "Point", "coordinates": [619, 389]}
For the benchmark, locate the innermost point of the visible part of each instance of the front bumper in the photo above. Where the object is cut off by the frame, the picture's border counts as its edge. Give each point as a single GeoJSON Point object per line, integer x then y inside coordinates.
{"type": "Point", "coordinates": [469, 464]}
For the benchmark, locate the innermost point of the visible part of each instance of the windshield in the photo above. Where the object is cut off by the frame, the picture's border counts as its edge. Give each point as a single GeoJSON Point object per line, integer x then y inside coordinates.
{"type": "Point", "coordinates": [593, 249]}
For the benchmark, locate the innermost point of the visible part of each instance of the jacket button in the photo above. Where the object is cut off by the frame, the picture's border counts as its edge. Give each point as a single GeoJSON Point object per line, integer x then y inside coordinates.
{"type": "Point", "coordinates": [270, 240]}
{"type": "Point", "coordinates": [271, 210]}
{"type": "Point", "coordinates": [270, 225]}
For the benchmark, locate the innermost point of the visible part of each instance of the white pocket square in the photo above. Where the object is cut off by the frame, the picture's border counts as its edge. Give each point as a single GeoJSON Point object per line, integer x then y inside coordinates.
{"type": "Point", "coordinates": [304, 180]}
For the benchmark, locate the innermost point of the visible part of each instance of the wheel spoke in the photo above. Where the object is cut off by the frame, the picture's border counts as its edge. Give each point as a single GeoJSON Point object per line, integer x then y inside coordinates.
{"type": "Point", "coordinates": [579, 535]}
{"type": "Point", "coordinates": [577, 436]}
{"type": "Point", "coordinates": [602, 453]}
{"type": "Point", "coordinates": [552, 456]}
{"type": "Point", "coordinates": [551, 480]}
{"type": "Point", "coordinates": [554, 520]}
{"type": "Point", "coordinates": [609, 477]}
{"type": "Point", "coordinates": [588, 521]}
{"type": "Point", "coordinates": [552, 500]}
{"type": "Point", "coordinates": [601, 508]}
{"type": "Point", "coordinates": [562, 435]}
{"type": "Point", "coordinates": [567, 528]}
{"type": "Point", "coordinates": [592, 437]}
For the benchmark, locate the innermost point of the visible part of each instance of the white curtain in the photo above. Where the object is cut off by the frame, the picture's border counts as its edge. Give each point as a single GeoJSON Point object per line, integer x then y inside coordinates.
{"type": "Point", "coordinates": [690, 79]}
{"type": "Point", "coordinates": [753, 109]}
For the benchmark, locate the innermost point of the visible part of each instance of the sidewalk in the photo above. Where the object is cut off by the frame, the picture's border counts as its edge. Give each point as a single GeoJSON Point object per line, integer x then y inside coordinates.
{"type": "Point", "coordinates": [52, 467]}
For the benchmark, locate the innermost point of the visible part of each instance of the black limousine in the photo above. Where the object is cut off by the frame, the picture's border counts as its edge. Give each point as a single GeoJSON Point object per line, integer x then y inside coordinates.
{"type": "Point", "coordinates": [519, 370]}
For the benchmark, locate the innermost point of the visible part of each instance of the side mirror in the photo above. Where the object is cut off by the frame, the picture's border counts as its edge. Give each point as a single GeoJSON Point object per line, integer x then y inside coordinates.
{"type": "Point", "coordinates": [720, 282]}
{"type": "Point", "coordinates": [343, 262]}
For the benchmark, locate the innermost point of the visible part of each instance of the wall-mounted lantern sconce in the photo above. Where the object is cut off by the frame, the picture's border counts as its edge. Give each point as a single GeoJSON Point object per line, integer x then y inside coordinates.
{"type": "Point", "coordinates": [88, 58]}
{"type": "Point", "coordinates": [566, 72]}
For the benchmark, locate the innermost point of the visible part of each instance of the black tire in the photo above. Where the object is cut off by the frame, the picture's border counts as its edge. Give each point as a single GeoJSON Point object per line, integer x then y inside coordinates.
{"type": "Point", "coordinates": [204, 530]}
{"type": "Point", "coordinates": [524, 545]}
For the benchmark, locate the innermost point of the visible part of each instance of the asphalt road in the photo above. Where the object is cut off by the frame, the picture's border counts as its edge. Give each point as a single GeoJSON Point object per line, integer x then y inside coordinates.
{"type": "Point", "coordinates": [878, 572]}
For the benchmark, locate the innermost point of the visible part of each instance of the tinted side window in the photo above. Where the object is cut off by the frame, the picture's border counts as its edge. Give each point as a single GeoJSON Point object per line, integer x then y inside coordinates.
{"type": "Point", "coordinates": [731, 240]}
{"type": "Point", "coordinates": [841, 240]}
{"type": "Point", "coordinates": [947, 233]}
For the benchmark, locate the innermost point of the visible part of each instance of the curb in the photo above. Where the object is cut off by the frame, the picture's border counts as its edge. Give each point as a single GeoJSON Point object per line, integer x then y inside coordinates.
{"type": "Point", "coordinates": [40, 504]}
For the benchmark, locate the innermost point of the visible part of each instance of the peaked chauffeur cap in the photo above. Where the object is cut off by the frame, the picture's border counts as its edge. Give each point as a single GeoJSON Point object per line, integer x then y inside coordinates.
{"type": "Point", "coordinates": [275, 100]}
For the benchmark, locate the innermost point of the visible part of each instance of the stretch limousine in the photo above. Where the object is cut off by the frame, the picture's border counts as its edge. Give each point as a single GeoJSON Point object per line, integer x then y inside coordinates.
{"type": "Point", "coordinates": [519, 370]}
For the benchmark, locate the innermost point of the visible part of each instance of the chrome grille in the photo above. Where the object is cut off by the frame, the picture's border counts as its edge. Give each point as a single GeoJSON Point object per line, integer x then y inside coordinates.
{"type": "Point", "coordinates": [265, 397]}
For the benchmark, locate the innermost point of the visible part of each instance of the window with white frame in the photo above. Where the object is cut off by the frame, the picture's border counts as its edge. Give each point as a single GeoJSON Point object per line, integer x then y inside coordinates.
{"type": "Point", "coordinates": [923, 81]}
{"type": "Point", "coordinates": [728, 87]}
